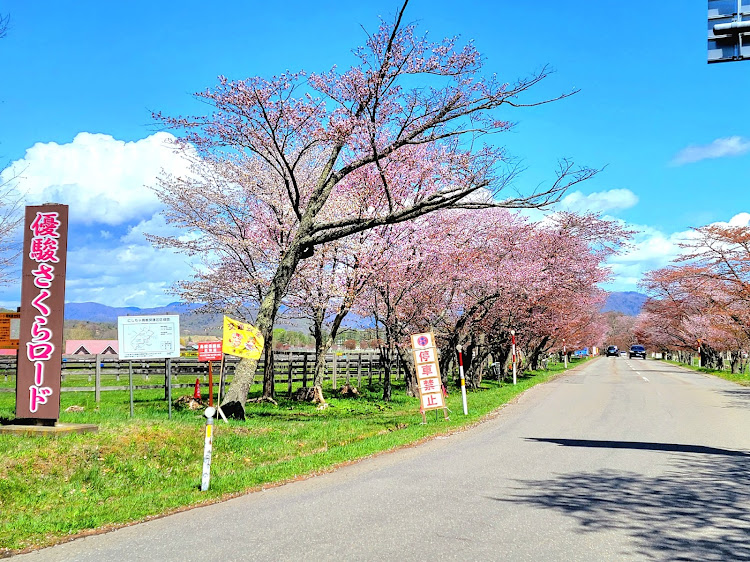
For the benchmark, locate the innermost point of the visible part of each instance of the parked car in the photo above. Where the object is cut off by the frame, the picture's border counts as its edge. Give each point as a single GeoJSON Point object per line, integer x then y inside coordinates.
{"type": "Point", "coordinates": [637, 351]}
{"type": "Point", "coordinates": [612, 351]}
{"type": "Point", "coordinates": [624, 353]}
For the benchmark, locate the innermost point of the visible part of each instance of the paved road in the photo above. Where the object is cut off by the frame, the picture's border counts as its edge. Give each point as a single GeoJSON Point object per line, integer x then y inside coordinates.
{"type": "Point", "coordinates": [623, 459]}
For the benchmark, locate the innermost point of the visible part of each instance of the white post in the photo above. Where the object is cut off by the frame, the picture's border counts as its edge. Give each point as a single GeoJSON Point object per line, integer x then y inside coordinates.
{"type": "Point", "coordinates": [513, 353]}
{"type": "Point", "coordinates": [130, 384]}
{"type": "Point", "coordinates": [463, 381]}
{"type": "Point", "coordinates": [565, 355]}
{"type": "Point", "coordinates": [207, 448]}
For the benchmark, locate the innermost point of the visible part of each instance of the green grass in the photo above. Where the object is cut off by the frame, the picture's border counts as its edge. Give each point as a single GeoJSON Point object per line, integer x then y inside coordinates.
{"type": "Point", "coordinates": [51, 488]}
{"type": "Point", "coordinates": [739, 378]}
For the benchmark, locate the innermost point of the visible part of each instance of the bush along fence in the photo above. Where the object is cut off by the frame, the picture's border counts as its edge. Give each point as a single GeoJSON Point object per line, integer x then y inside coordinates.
{"type": "Point", "coordinates": [102, 373]}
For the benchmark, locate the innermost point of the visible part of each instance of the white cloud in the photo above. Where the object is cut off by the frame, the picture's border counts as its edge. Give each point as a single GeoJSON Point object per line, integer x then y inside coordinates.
{"type": "Point", "coordinates": [720, 148]}
{"type": "Point", "coordinates": [128, 273]}
{"type": "Point", "coordinates": [602, 201]}
{"type": "Point", "coordinates": [741, 219]}
{"type": "Point", "coordinates": [652, 249]}
{"type": "Point", "coordinates": [102, 179]}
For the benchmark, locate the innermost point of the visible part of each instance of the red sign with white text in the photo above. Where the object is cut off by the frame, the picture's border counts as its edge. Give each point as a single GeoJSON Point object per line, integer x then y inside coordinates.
{"type": "Point", "coordinates": [209, 351]}
{"type": "Point", "coordinates": [45, 245]}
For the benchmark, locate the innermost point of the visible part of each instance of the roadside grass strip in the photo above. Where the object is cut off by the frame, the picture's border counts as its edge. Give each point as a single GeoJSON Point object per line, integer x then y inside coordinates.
{"type": "Point", "coordinates": [739, 378]}
{"type": "Point", "coordinates": [52, 489]}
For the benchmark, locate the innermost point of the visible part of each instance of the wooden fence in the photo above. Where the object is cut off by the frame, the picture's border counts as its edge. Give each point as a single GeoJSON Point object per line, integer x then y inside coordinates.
{"type": "Point", "coordinates": [290, 367]}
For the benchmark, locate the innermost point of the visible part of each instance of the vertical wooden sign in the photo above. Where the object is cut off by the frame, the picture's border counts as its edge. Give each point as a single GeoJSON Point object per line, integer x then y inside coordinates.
{"type": "Point", "coordinates": [428, 373]}
{"type": "Point", "coordinates": [45, 245]}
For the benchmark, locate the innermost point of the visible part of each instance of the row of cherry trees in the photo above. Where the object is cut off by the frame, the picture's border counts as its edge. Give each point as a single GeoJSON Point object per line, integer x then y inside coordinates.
{"type": "Point", "coordinates": [702, 300]}
{"type": "Point", "coordinates": [468, 275]}
{"type": "Point", "coordinates": [307, 183]}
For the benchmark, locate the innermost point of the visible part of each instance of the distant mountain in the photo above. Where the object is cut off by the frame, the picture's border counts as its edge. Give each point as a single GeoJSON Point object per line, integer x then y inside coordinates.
{"type": "Point", "coordinates": [95, 312]}
{"type": "Point", "coordinates": [190, 321]}
{"type": "Point", "coordinates": [628, 302]}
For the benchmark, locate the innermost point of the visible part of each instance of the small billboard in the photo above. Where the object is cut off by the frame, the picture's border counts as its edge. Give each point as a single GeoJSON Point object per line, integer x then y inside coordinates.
{"type": "Point", "coordinates": [149, 337]}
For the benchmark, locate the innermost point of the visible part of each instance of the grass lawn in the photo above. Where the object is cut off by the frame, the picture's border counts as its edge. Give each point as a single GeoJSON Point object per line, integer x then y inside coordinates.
{"type": "Point", "coordinates": [53, 488]}
{"type": "Point", "coordinates": [739, 378]}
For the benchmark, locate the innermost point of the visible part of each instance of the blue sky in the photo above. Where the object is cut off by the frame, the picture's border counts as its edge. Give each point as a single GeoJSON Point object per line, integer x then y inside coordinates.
{"type": "Point", "coordinates": [80, 80]}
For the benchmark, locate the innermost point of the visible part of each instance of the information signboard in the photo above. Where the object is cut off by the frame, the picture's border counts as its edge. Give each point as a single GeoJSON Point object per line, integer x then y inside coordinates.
{"type": "Point", "coordinates": [209, 351]}
{"type": "Point", "coordinates": [10, 329]}
{"type": "Point", "coordinates": [149, 337]}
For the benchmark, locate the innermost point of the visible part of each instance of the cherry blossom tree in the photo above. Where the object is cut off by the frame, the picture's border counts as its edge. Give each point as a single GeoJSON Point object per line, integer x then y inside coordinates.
{"type": "Point", "coordinates": [11, 219]}
{"type": "Point", "coordinates": [396, 136]}
{"type": "Point", "coordinates": [11, 202]}
{"type": "Point", "coordinates": [326, 287]}
{"type": "Point", "coordinates": [539, 280]}
{"type": "Point", "coordinates": [703, 296]}
{"type": "Point", "coordinates": [483, 273]}
{"type": "Point", "coordinates": [4, 24]}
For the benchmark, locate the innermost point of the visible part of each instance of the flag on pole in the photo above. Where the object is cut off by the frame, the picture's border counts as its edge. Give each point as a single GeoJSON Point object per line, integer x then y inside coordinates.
{"type": "Point", "coordinates": [241, 339]}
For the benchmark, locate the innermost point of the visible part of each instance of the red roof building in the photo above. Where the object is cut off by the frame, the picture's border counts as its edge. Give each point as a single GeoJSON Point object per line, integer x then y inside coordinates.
{"type": "Point", "coordinates": [92, 347]}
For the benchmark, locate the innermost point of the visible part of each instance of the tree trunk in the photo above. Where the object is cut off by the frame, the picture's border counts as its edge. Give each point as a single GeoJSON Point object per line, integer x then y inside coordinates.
{"type": "Point", "coordinates": [410, 376]}
{"type": "Point", "coordinates": [322, 345]}
{"type": "Point", "coordinates": [269, 371]}
{"type": "Point", "coordinates": [477, 366]}
{"type": "Point", "coordinates": [534, 356]}
{"type": "Point", "coordinates": [385, 360]}
{"type": "Point", "coordinates": [233, 404]}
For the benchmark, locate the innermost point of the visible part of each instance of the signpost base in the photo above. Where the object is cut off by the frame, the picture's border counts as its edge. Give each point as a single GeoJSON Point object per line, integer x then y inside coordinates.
{"type": "Point", "coordinates": [26, 430]}
{"type": "Point", "coordinates": [446, 417]}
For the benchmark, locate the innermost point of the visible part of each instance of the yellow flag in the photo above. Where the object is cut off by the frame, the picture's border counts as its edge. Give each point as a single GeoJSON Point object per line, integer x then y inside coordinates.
{"type": "Point", "coordinates": [241, 339]}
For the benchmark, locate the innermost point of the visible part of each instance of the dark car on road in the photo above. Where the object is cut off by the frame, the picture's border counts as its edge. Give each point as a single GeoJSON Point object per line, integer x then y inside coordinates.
{"type": "Point", "coordinates": [637, 351]}
{"type": "Point", "coordinates": [612, 351]}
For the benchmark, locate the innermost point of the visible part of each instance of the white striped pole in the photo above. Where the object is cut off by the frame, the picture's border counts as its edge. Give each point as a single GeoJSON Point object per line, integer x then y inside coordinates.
{"type": "Point", "coordinates": [463, 381]}
{"type": "Point", "coordinates": [513, 351]}
{"type": "Point", "coordinates": [207, 448]}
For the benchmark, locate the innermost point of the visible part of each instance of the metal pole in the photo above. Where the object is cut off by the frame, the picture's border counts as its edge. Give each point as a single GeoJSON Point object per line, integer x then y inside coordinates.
{"type": "Point", "coordinates": [210, 384]}
{"type": "Point", "coordinates": [221, 378]}
{"type": "Point", "coordinates": [513, 353]}
{"type": "Point", "coordinates": [98, 379]}
{"type": "Point", "coordinates": [130, 378]}
{"type": "Point", "coordinates": [461, 374]}
{"type": "Point", "coordinates": [168, 374]}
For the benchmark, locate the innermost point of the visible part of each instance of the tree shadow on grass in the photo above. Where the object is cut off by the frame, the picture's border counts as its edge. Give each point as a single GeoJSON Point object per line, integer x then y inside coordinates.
{"type": "Point", "coordinates": [699, 509]}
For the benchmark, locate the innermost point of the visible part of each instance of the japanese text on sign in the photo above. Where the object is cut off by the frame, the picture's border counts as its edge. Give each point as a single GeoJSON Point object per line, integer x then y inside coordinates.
{"type": "Point", "coordinates": [209, 351]}
{"type": "Point", "coordinates": [40, 324]}
{"type": "Point", "coordinates": [10, 329]}
{"type": "Point", "coordinates": [39, 350]}
{"type": "Point", "coordinates": [428, 372]}
{"type": "Point", "coordinates": [148, 337]}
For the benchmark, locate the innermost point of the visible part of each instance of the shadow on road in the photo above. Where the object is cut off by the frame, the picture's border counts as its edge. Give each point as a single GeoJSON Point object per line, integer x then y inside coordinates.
{"type": "Point", "coordinates": [738, 398]}
{"type": "Point", "coordinates": [699, 509]}
{"type": "Point", "coordinates": [640, 445]}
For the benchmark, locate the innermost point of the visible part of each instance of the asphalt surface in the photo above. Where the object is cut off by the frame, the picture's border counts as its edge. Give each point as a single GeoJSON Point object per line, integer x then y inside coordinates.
{"type": "Point", "coordinates": [621, 460]}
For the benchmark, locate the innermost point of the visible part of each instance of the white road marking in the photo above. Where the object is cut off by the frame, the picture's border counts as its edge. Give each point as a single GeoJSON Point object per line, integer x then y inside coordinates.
{"type": "Point", "coordinates": [645, 379]}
